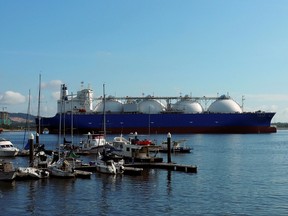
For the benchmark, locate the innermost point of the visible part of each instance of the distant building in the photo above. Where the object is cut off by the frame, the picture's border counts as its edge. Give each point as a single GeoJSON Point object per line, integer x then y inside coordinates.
{"type": "Point", "coordinates": [4, 118]}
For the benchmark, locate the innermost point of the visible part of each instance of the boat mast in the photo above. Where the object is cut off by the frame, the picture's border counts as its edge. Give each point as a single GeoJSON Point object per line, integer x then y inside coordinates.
{"type": "Point", "coordinates": [27, 125]}
{"type": "Point", "coordinates": [60, 119]}
{"type": "Point", "coordinates": [38, 113]}
{"type": "Point", "coordinates": [104, 111]}
{"type": "Point", "coordinates": [72, 118]}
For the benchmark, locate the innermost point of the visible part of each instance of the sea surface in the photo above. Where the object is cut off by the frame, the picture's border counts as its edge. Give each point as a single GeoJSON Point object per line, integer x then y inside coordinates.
{"type": "Point", "coordinates": [238, 174]}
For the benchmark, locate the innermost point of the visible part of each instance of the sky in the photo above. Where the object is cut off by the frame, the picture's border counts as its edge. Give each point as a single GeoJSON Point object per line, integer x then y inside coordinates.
{"type": "Point", "coordinates": [151, 47]}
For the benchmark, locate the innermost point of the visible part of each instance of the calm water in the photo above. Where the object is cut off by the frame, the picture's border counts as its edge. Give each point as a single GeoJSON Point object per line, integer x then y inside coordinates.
{"type": "Point", "coordinates": [237, 175]}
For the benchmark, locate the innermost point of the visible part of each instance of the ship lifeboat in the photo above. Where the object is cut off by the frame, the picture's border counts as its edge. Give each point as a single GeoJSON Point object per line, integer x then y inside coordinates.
{"type": "Point", "coordinates": [144, 142]}
{"type": "Point", "coordinates": [82, 110]}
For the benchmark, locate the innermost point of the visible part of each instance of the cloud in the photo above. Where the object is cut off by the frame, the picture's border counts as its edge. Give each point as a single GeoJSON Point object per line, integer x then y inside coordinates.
{"type": "Point", "coordinates": [56, 95]}
{"type": "Point", "coordinates": [12, 98]}
{"type": "Point", "coordinates": [52, 85]}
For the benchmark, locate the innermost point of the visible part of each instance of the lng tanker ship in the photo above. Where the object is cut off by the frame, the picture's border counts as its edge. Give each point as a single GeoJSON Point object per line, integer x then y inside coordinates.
{"type": "Point", "coordinates": [152, 115]}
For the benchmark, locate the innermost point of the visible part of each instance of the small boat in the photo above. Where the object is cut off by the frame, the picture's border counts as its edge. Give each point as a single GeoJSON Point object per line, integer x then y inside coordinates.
{"type": "Point", "coordinates": [7, 149]}
{"type": "Point", "coordinates": [75, 162]}
{"type": "Point", "coordinates": [7, 171]}
{"type": "Point", "coordinates": [108, 166]}
{"type": "Point", "coordinates": [132, 152]}
{"type": "Point", "coordinates": [45, 131]}
{"type": "Point", "coordinates": [176, 147]}
{"type": "Point", "coordinates": [23, 153]}
{"type": "Point", "coordinates": [91, 144]}
{"type": "Point", "coordinates": [62, 169]}
{"type": "Point", "coordinates": [135, 140]}
{"type": "Point", "coordinates": [31, 173]}
{"type": "Point", "coordinates": [41, 159]}
{"type": "Point", "coordinates": [82, 174]}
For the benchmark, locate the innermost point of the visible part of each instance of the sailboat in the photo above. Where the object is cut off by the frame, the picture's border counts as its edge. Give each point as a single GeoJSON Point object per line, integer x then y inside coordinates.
{"type": "Point", "coordinates": [31, 172]}
{"type": "Point", "coordinates": [41, 158]}
{"type": "Point", "coordinates": [60, 167]}
{"type": "Point", "coordinates": [25, 150]}
{"type": "Point", "coordinates": [104, 164]}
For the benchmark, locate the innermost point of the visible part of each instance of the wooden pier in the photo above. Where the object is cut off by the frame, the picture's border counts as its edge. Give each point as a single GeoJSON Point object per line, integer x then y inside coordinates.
{"type": "Point", "coordinates": [128, 170]}
{"type": "Point", "coordinates": [168, 166]}
{"type": "Point", "coordinates": [137, 168]}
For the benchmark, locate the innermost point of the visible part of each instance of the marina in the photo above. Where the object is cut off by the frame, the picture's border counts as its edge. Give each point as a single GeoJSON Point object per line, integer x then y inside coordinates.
{"type": "Point", "coordinates": [232, 178]}
{"type": "Point", "coordinates": [145, 108]}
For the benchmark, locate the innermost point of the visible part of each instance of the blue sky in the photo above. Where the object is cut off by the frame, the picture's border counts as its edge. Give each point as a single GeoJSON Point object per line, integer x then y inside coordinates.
{"type": "Point", "coordinates": [156, 47]}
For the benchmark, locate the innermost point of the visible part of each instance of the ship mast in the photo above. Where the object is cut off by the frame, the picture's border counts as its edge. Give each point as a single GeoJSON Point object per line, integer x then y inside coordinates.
{"type": "Point", "coordinates": [104, 111]}
{"type": "Point", "coordinates": [242, 105]}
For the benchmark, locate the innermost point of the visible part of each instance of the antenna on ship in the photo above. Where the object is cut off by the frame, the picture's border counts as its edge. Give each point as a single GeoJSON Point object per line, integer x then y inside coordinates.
{"type": "Point", "coordinates": [242, 105]}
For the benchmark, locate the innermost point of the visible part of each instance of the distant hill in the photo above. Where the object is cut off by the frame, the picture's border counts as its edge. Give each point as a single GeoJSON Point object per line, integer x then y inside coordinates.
{"type": "Point", "coordinates": [19, 121]}
{"type": "Point", "coordinates": [21, 117]}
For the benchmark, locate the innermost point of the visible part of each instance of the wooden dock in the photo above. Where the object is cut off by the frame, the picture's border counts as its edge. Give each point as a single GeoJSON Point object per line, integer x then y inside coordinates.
{"type": "Point", "coordinates": [137, 168]}
{"type": "Point", "coordinates": [128, 170]}
{"type": "Point", "coordinates": [168, 166]}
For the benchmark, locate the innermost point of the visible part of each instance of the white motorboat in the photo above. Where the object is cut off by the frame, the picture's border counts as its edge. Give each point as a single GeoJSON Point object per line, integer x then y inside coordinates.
{"type": "Point", "coordinates": [133, 152]}
{"type": "Point", "coordinates": [7, 149]}
{"type": "Point", "coordinates": [31, 173]}
{"type": "Point", "coordinates": [91, 144]}
{"type": "Point", "coordinates": [108, 166]}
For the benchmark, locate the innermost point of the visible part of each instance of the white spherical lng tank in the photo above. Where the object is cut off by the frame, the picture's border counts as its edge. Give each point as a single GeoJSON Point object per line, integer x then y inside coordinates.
{"type": "Point", "coordinates": [188, 106]}
{"type": "Point", "coordinates": [111, 105]}
{"type": "Point", "coordinates": [151, 106]}
{"type": "Point", "coordinates": [225, 105]}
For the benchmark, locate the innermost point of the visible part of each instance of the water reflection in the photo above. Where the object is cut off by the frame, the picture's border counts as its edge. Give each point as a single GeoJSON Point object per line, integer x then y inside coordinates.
{"type": "Point", "coordinates": [6, 187]}
{"type": "Point", "coordinates": [108, 183]}
{"type": "Point", "coordinates": [169, 181]}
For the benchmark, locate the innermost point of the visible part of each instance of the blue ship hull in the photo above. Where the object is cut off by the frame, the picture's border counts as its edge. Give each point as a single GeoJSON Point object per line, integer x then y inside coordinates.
{"type": "Point", "coordinates": [254, 122]}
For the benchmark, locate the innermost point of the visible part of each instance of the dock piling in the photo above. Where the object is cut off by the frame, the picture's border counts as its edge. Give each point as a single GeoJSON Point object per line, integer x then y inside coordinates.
{"type": "Point", "coordinates": [169, 147]}
{"type": "Point", "coordinates": [31, 149]}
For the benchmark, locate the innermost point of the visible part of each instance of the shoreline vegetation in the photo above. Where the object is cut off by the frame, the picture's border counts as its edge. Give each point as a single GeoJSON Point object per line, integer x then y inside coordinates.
{"type": "Point", "coordinates": [14, 127]}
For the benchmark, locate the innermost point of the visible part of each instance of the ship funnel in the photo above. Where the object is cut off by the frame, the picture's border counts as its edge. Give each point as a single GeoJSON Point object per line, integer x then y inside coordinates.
{"type": "Point", "coordinates": [63, 92]}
